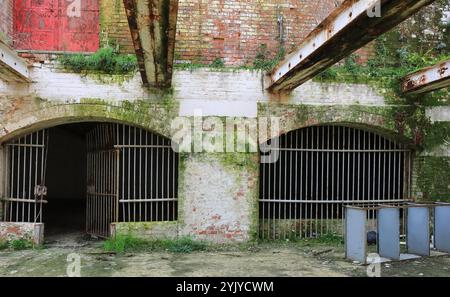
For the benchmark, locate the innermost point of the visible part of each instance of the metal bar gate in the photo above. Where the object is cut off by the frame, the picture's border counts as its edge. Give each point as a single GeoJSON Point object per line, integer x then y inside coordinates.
{"type": "Point", "coordinates": [323, 168]}
{"type": "Point", "coordinates": [102, 193]}
{"type": "Point", "coordinates": [148, 176]}
{"type": "Point", "coordinates": [25, 166]}
{"type": "Point", "coordinates": [132, 177]}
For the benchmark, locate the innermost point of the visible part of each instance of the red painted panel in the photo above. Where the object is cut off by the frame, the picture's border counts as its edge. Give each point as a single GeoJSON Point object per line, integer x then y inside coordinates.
{"type": "Point", "coordinates": [56, 25]}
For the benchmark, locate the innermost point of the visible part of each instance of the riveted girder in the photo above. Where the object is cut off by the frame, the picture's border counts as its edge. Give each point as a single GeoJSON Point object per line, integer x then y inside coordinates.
{"type": "Point", "coordinates": [153, 28]}
{"type": "Point", "coordinates": [12, 67]}
{"type": "Point", "coordinates": [352, 25]}
{"type": "Point", "coordinates": [428, 79]}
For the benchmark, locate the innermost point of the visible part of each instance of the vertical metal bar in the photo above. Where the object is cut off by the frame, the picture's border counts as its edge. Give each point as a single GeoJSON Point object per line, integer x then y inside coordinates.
{"type": "Point", "coordinates": [394, 173]}
{"type": "Point", "coordinates": [369, 171]}
{"type": "Point", "coordinates": [36, 174]}
{"type": "Point", "coordinates": [379, 168]}
{"type": "Point", "coordinates": [43, 151]}
{"type": "Point", "coordinates": [174, 191]}
{"type": "Point", "coordinates": [327, 177]}
{"type": "Point", "coordinates": [269, 180]}
{"type": "Point", "coordinates": [374, 147]}
{"type": "Point", "coordinates": [338, 177]}
{"type": "Point", "coordinates": [117, 183]}
{"type": "Point", "coordinates": [283, 205]}
{"type": "Point", "coordinates": [140, 175]}
{"type": "Point", "coordinates": [146, 176]}
{"type": "Point", "coordinates": [167, 182]}
{"type": "Point", "coordinates": [317, 179]}
{"type": "Point", "coordinates": [134, 174]}
{"type": "Point", "coordinates": [24, 181]}
{"type": "Point", "coordinates": [343, 194]}
{"type": "Point", "coordinates": [364, 168]}
{"type": "Point", "coordinates": [18, 180]}
{"type": "Point", "coordinates": [353, 164]}
{"type": "Point", "coordinates": [262, 197]}
{"type": "Point", "coordinates": [279, 194]}
{"type": "Point", "coordinates": [6, 180]}
{"type": "Point", "coordinates": [302, 198]}
{"type": "Point", "coordinates": [349, 155]}
{"type": "Point", "coordinates": [389, 172]}
{"type": "Point", "coordinates": [410, 174]}
{"type": "Point", "coordinates": [307, 186]}
{"type": "Point", "coordinates": [383, 185]}
{"type": "Point", "coordinates": [285, 185]}
{"type": "Point", "coordinates": [157, 178]}
{"type": "Point", "coordinates": [274, 197]}
{"type": "Point", "coordinates": [399, 192]}
{"type": "Point", "coordinates": [30, 176]}
{"type": "Point", "coordinates": [151, 177]}
{"type": "Point", "coordinates": [12, 174]}
{"type": "Point", "coordinates": [291, 197]}
{"type": "Point", "coordinates": [128, 206]}
{"type": "Point", "coordinates": [332, 175]}
{"type": "Point", "coordinates": [310, 180]}
{"type": "Point", "coordinates": [296, 170]}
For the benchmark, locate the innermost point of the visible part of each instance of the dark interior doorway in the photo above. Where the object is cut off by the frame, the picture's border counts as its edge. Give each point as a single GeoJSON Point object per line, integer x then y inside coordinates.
{"type": "Point", "coordinates": [65, 213]}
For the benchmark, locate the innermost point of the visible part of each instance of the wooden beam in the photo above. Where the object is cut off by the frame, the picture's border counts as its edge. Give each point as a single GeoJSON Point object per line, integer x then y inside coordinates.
{"type": "Point", "coordinates": [153, 27]}
{"type": "Point", "coordinates": [12, 67]}
{"type": "Point", "coordinates": [427, 79]}
{"type": "Point", "coordinates": [349, 27]}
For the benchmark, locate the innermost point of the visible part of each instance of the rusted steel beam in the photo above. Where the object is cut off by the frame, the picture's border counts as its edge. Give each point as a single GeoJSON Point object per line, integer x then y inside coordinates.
{"type": "Point", "coordinates": [427, 79]}
{"type": "Point", "coordinates": [153, 28]}
{"type": "Point", "coordinates": [12, 67]}
{"type": "Point", "coordinates": [350, 26]}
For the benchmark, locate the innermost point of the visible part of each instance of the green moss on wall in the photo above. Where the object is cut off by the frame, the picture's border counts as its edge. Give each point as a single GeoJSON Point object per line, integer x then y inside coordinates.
{"type": "Point", "coordinates": [433, 178]}
{"type": "Point", "coordinates": [247, 164]}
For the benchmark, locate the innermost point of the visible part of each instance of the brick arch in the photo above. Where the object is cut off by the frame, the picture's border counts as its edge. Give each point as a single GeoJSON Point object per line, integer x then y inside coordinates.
{"type": "Point", "coordinates": [298, 117]}
{"type": "Point", "coordinates": [152, 119]}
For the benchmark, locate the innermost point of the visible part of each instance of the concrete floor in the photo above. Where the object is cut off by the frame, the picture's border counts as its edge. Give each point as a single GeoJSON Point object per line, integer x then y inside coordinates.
{"type": "Point", "coordinates": [274, 259]}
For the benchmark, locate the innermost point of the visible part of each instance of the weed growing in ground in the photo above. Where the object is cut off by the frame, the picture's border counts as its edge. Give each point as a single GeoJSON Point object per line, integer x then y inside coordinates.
{"type": "Point", "coordinates": [129, 243]}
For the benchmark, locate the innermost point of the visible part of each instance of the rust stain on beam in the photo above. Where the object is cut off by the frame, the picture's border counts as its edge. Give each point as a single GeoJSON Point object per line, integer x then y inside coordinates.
{"type": "Point", "coordinates": [349, 27]}
{"type": "Point", "coordinates": [153, 28]}
{"type": "Point", "coordinates": [12, 67]}
{"type": "Point", "coordinates": [427, 79]}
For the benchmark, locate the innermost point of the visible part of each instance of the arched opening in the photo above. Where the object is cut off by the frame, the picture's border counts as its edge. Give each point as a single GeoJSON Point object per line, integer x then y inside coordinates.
{"type": "Point", "coordinates": [79, 178]}
{"type": "Point", "coordinates": [319, 170]}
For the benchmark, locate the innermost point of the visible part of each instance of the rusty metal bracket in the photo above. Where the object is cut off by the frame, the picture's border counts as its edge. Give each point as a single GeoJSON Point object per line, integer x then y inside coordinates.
{"type": "Point", "coordinates": [427, 79]}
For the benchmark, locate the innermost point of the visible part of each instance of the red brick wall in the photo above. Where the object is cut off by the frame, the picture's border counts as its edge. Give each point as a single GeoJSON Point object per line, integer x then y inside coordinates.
{"type": "Point", "coordinates": [6, 20]}
{"type": "Point", "coordinates": [229, 30]}
{"type": "Point", "coordinates": [114, 25]}
{"type": "Point", "coordinates": [234, 30]}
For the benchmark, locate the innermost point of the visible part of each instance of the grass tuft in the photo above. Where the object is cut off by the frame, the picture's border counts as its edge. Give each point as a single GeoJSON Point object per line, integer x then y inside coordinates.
{"type": "Point", "coordinates": [106, 60]}
{"type": "Point", "coordinates": [129, 243]}
{"type": "Point", "coordinates": [20, 244]}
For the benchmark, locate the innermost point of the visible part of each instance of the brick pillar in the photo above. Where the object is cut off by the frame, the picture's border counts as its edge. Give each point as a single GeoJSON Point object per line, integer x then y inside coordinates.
{"type": "Point", "coordinates": [218, 196]}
